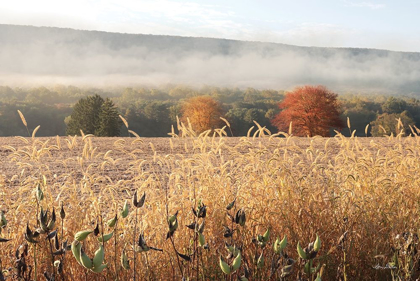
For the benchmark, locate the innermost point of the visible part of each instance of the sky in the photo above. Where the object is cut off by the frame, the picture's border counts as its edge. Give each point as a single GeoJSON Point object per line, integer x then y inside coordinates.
{"type": "Point", "coordinates": [380, 24]}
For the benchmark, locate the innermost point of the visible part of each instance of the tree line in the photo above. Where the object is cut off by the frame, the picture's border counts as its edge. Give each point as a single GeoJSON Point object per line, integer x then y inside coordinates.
{"type": "Point", "coordinates": [151, 112]}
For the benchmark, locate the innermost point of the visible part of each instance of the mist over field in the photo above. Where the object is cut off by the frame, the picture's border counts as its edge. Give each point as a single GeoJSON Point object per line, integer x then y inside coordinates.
{"type": "Point", "coordinates": [40, 55]}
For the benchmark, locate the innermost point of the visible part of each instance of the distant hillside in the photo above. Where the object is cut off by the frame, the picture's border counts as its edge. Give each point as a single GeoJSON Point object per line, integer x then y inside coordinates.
{"type": "Point", "coordinates": [45, 55]}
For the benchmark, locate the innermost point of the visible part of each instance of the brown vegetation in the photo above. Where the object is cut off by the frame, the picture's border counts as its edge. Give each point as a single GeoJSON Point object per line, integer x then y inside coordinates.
{"type": "Point", "coordinates": [359, 196]}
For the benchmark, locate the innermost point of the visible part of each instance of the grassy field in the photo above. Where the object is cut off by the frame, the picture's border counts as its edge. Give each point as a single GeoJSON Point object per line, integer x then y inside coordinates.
{"type": "Point", "coordinates": [360, 196]}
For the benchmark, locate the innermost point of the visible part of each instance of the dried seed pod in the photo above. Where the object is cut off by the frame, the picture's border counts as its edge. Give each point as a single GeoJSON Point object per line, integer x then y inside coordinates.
{"type": "Point", "coordinates": [200, 228]}
{"type": "Point", "coordinates": [135, 202]}
{"type": "Point", "coordinates": [141, 245]}
{"type": "Point", "coordinates": [227, 232]}
{"type": "Point", "coordinates": [96, 230]}
{"type": "Point", "coordinates": [51, 223]}
{"type": "Point", "coordinates": [29, 236]}
{"type": "Point", "coordinates": [3, 221]}
{"type": "Point", "coordinates": [52, 234]}
{"type": "Point", "coordinates": [57, 263]}
{"type": "Point", "coordinates": [202, 211]}
{"type": "Point", "coordinates": [38, 193]}
{"type": "Point", "coordinates": [191, 226]}
{"type": "Point", "coordinates": [231, 205]}
{"type": "Point", "coordinates": [286, 270]}
{"type": "Point", "coordinates": [184, 257]}
{"type": "Point", "coordinates": [240, 217]}
{"type": "Point", "coordinates": [62, 212]}
{"type": "Point", "coordinates": [140, 203]}
{"type": "Point", "coordinates": [43, 216]}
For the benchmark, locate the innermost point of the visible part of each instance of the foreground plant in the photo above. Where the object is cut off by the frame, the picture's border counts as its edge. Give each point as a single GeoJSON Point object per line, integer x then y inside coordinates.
{"type": "Point", "coordinates": [308, 255]}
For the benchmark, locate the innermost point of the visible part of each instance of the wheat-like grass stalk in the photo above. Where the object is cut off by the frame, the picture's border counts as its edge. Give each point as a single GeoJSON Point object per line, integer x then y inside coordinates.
{"type": "Point", "coordinates": [22, 117]}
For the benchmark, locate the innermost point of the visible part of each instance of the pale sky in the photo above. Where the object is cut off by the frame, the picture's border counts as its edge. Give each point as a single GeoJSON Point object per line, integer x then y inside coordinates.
{"type": "Point", "coordinates": [381, 24]}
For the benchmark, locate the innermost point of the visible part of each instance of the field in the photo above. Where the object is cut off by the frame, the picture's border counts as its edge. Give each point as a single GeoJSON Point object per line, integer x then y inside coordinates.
{"type": "Point", "coordinates": [360, 196]}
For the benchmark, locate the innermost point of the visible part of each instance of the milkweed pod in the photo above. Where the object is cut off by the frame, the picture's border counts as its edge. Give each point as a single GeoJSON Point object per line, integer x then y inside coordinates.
{"type": "Point", "coordinates": [237, 262]}
{"type": "Point", "coordinates": [286, 271]}
{"type": "Point", "coordinates": [3, 221]}
{"type": "Point", "coordinates": [51, 223]}
{"type": "Point", "coordinates": [99, 257]}
{"type": "Point", "coordinates": [276, 246]}
{"type": "Point", "coordinates": [124, 261]}
{"type": "Point", "coordinates": [240, 217]}
{"type": "Point", "coordinates": [85, 260]}
{"type": "Point", "coordinates": [135, 202]}
{"type": "Point", "coordinates": [230, 205]}
{"type": "Point", "coordinates": [99, 269]}
{"type": "Point", "coordinates": [173, 222]}
{"type": "Point", "coordinates": [106, 237]}
{"type": "Point", "coordinates": [301, 252]}
{"type": "Point", "coordinates": [266, 235]}
{"type": "Point", "coordinates": [260, 261]}
{"type": "Point", "coordinates": [140, 203]}
{"type": "Point", "coordinates": [43, 220]}
{"type": "Point", "coordinates": [224, 266]}
{"type": "Point", "coordinates": [124, 212]}
{"type": "Point", "coordinates": [81, 235]}
{"type": "Point", "coordinates": [30, 239]}
{"type": "Point", "coordinates": [201, 239]}
{"type": "Point", "coordinates": [96, 230]}
{"type": "Point", "coordinates": [318, 278]}
{"type": "Point", "coordinates": [317, 243]}
{"type": "Point", "coordinates": [280, 245]}
{"type": "Point", "coordinates": [38, 192]}
{"type": "Point", "coordinates": [201, 227]}
{"type": "Point", "coordinates": [316, 269]}
{"type": "Point", "coordinates": [283, 243]}
{"type": "Point", "coordinates": [62, 212]}
{"type": "Point", "coordinates": [75, 249]}
{"type": "Point", "coordinates": [306, 268]}
{"type": "Point", "coordinates": [111, 222]}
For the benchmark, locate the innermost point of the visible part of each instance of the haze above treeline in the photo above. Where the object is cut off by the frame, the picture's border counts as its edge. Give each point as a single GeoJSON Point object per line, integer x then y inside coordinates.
{"type": "Point", "coordinates": [34, 56]}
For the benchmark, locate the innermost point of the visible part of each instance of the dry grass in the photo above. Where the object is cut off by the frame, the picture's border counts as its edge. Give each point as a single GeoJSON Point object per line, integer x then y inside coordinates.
{"type": "Point", "coordinates": [365, 188]}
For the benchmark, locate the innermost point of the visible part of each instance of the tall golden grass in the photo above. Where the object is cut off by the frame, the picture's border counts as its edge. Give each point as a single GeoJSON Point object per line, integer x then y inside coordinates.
{"type": "Point", "coordinates": [360, 196]}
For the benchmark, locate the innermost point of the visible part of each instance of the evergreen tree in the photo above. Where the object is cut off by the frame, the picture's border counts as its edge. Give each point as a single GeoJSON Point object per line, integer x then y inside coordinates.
{"type": "Point", "coordinates": [109, 120]}
{"type": "Point", "coordinates": [95, 116]}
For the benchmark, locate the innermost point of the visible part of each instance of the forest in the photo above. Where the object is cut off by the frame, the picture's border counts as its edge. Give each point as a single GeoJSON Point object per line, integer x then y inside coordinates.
{"type": "Point", "coordinates": [150, 111]}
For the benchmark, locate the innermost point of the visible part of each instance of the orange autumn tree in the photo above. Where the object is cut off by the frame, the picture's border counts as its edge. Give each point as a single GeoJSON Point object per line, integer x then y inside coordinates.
{"type": "Point", "coordinates": [313, 110]}
{"type": "Point", "coordinates": [203, 112]}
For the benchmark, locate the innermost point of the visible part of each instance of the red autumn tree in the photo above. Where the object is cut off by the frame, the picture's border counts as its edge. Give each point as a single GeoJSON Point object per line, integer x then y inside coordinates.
{"type": "Point", "coordinates": [313, 110]}
{"type": "Point", "coordinates": [203, 112]}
